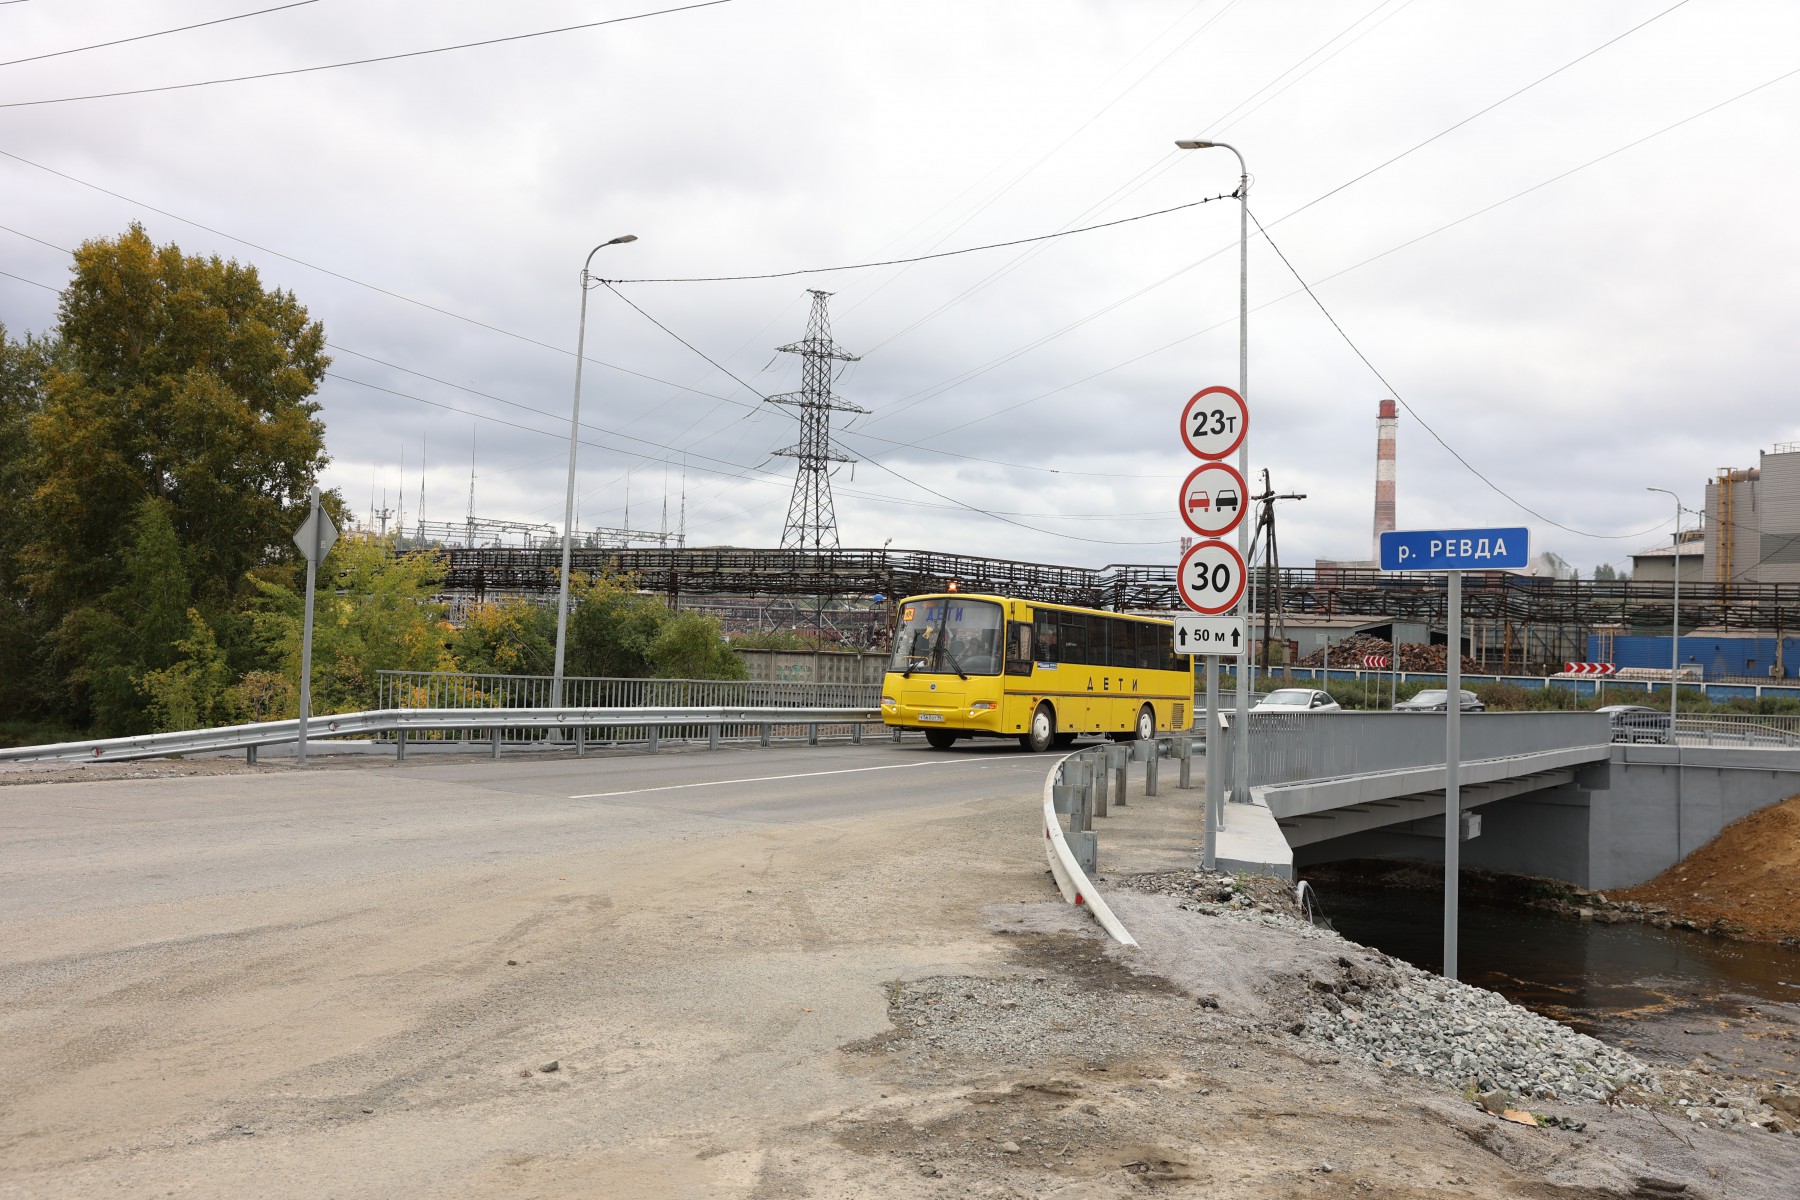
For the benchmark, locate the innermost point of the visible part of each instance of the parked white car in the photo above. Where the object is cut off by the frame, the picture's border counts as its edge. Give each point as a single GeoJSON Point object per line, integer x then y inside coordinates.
{"type": "Point", "coordinates": [1298, 700]}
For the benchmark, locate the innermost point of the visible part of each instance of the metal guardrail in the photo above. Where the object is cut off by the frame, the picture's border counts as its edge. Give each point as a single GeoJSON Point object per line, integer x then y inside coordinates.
{"type": "Point", "coordinates": [1289, 747]}
{"type": "Point", "coordinates": [457, 689]}
{"type": "Point", "coordinates": [579, 725]}
{"type": "Point", "coordinates": [1763, 732]}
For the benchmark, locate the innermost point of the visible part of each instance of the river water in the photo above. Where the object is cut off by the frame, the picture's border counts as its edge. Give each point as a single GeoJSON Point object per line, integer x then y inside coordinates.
{"type": "Point", "coordinates": [1664, 994]}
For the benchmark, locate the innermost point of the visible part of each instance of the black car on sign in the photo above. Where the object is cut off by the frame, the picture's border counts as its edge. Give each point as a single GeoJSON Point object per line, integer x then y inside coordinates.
{"type": "Point", "coordinates": [1637, 723]}
{"type": "Point", "coordinates": [1438, 700]}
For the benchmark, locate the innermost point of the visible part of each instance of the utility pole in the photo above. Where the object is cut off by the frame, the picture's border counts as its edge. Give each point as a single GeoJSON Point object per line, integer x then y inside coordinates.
{"type": "Point", "coordinates": [1265, 533]}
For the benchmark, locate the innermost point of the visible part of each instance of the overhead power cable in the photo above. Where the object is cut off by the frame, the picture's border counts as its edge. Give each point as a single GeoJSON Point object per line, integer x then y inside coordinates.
{"type": "Point", "coordinates": [986, 512]}
{"type": "Point", "coordinates": [941, 388]}
{"type": "Point", "coordinates": [716, 364]}
{"type": "Point", "coordinates": [363, 62]}
{"type": "Point", "coordinates": [1423, 423]}
{"type": "Point", "coordinates": [141, 37]}
{"type": "Point", "coordinates": [1510, 96]}
{"type": "Point", "coordinates": [32, 282]}
{"type": "Point", "coordinates": [891, 262]}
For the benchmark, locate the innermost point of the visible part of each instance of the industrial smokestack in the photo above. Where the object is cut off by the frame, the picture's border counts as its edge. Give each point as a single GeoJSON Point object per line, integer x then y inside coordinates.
{"type": "Point", "coordinates": [1386, 419]}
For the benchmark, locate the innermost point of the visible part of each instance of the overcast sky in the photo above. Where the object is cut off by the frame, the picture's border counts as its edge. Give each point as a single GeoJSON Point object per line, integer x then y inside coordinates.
{"type": "Point", "coordinates": [1627, 325]}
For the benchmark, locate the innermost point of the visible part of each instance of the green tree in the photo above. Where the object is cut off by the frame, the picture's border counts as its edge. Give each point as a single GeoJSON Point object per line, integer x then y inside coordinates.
{"type": "Point", "coordinates": [508, 637]}
{"type": "Point", "coordinates": [612, 628]}
{"type": "Point", "coordinates": [182, 380]}
{"type": "Point", "coordinates": [23, 365]}
{"type": "Point", "coordinates": [134, 628]}
{"type": "Point", "coordinates": [194, 692]}
{"type": "Point", "coordinates": [373, 612]}
{"type": "Point", "coordinates": [692, 646]}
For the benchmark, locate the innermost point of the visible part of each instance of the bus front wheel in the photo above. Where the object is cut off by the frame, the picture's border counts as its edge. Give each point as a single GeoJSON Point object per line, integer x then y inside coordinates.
{"type": "Point", "coordinates": [1146, 723]}
{"type": "Point", "coordinates": [1043, 731]}
{"type": "Point", "coordinates": [940, 739]}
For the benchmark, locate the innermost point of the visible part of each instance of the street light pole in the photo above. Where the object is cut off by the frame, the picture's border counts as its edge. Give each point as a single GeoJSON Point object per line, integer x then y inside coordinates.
{"type": "Point", "coordinates": [562, 595]}
{"type": "Point", "coordinates": [1675, 616]}
{"type": "Point", "coordinates": [1240, 759]}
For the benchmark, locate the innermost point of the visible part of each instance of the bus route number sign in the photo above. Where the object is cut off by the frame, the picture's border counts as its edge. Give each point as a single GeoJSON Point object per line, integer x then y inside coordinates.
{"type": "Point", "coordinates": [1214, 422]}
{"type": "Point", "coordinates": [1211, 577]}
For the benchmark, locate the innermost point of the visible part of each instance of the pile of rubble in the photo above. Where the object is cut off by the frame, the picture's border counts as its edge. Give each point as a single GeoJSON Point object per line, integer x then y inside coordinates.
{"type": "Point", "coordinates": [1413, 657]}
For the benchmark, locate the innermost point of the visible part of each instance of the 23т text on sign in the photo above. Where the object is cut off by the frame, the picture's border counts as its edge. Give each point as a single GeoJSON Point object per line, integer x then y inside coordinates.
{"type": "Point", "coordinates": [1455, 549]}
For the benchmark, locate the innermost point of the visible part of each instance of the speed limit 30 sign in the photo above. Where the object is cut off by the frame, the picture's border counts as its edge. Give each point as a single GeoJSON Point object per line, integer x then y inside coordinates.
{"type": "Point", "coordinates": [1211, 577]}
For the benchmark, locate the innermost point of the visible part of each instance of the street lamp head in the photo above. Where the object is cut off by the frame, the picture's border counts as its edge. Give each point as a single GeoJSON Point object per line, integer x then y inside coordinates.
{"type": "Point", "coordinates": [1193, 144]}
{"type": "Point", "coordinates": [622, 239]}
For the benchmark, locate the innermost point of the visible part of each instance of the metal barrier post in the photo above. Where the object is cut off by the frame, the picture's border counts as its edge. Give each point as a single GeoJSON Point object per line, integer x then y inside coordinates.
{"type": "Point", "coordinates": [856, 734]}
{"type": "Point", "coordinates": [250, 755]}
{"type": "Point", "coordinates": [1102, 776]}
{"type": "Point", "coordinates": [765, 733]}
{"type": "Point", "coordinates": [1184, 754]}
{"type": "Point", "coordinates": [494, 738]}
{"type": "Point", "coordinates": [399, 745]}
{"type": "Point", "coordinates": [1152, 770]}
{"type": "Point", "coordinates": [1117, 757]}
{"type": "Point", "coordinates": [812, 734]}
{"type": "Point", "coordinates": [655, 739]}
{"type": "Point", "coordinates": [580, 741]}
{"type": "Point", "coordinates": [712, 736]}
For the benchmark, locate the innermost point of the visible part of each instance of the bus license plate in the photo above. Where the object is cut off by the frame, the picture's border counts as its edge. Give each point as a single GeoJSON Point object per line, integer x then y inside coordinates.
{"type": "Point", "coordinates": [931, 716]}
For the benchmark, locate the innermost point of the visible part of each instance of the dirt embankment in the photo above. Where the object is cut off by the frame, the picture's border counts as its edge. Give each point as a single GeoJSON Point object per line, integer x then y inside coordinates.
{"type": "Point", "coordinates": [1745, 882]}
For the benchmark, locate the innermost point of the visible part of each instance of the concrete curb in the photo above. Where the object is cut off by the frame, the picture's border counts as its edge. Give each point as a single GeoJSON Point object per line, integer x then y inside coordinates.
{"type": "Point", "coordinates": [1071, 880]}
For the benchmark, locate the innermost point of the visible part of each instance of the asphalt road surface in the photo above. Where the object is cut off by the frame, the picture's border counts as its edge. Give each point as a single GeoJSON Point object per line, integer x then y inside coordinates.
{"type": "Point", "coordinates": [343, 981]}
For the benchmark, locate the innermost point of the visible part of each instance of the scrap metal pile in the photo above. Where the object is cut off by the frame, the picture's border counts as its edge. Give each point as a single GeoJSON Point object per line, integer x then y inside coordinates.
{"type": "Point", "coordinates": [1413, 657]}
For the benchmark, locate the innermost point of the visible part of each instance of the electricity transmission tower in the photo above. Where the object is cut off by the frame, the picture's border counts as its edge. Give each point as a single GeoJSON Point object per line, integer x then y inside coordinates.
{"type": "Point", "coordinates": [811, 518]}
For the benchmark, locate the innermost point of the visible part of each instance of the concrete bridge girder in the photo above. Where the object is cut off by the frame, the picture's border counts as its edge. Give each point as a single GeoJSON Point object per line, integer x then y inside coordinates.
{"type": "Point", "coordinates": [1419, 813]}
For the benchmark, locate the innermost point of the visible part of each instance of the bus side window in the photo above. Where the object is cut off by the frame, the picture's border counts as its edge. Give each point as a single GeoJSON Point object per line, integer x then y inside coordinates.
{"type": "Point", "coordinates": [1121, 637]}
{"type": "Point", "coordinates": [1170, 660]}
{"type": "Point", "coordinates": [1046, 647]}
{"type": "Point", "coordinates": [1074, 638]}
{"type": "Point", "coordinates": [1018, 648]}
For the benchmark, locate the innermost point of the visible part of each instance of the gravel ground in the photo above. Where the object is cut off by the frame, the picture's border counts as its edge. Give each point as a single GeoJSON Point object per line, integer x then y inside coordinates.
{"type": "Point", "coordinates": [1393, 1014]}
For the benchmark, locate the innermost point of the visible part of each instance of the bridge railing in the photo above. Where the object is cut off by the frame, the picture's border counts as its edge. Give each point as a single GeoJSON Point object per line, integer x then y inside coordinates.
{"type": "Point", "coordinates": [574, 727]}
{"type": "Point", "coordinates": [1290, 747]}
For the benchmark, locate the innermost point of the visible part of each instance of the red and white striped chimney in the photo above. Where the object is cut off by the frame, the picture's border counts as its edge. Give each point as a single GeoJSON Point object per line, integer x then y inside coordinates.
{"type": "Point", "coordinates": [1387, 418]}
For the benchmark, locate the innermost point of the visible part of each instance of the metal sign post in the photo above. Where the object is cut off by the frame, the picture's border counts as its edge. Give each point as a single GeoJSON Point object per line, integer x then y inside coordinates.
{"type": "Point", "coordinates": [1453, 551]}
{"type": "Point", "coordinates": [315, 537]}
{"type": "Point", "coordinates": [1213, 637]}
{"type": "Point", "coordinates": [1452, 775]}
{"type": "Point", "coordinates": [1214, 422]}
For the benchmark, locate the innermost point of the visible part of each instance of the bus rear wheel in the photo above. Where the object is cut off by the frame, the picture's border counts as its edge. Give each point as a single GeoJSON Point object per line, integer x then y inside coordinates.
{"type": "Point", "coordinates": [1043, 731]}
{"type": "Point", "coordinates": [1146, 723]}
{"type": "Point", "coordinates": [940, 739]}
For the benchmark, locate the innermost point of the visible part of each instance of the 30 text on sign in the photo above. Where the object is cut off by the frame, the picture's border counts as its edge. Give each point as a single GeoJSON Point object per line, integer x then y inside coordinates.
{"type": "Point", "coordinates": [1212, 499]}
{"type": "Point", "coordinates": [1211, 578]}
{"type": "Point", "coordinates": [1214, 422]}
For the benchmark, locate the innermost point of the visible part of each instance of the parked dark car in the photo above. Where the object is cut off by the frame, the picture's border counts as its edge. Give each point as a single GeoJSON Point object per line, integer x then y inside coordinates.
{"type": "Point", "coordinates": [1438, 700]}
{"type": "Point", "coordinates": [1636, 723]}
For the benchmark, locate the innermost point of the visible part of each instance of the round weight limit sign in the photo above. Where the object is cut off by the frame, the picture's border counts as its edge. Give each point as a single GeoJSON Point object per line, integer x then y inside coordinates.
{"type": "Point", "coordinates": [1213, 499]}
{"type": "Point", "coordinates": [1214, 422]}
{"type": "Point", "coordinates": [1211, 578]}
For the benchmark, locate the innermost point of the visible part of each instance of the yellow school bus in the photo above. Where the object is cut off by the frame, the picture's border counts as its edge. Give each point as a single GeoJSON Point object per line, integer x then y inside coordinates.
{"type": "Point", "coordinates": [967, 666]}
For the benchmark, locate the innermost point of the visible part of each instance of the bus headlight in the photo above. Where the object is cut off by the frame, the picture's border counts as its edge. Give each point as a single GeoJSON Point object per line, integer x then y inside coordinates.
{"type": "Point", "coordinates": [887, 702]}
{"type": "Point", "coordinates": [981, 706]}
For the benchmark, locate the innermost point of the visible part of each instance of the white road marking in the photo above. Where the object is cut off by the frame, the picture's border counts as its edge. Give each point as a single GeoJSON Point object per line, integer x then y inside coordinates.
{"type": "Point", "coordinates": [675, 787]}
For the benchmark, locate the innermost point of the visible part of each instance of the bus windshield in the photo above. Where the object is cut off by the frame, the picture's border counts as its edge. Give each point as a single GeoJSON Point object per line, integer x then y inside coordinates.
{"type": "Point", "coordinates": [948, 636]}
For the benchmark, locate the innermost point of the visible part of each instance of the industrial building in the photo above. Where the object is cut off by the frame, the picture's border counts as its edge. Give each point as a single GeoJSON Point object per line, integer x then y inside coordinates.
{"type": "Point", "coordinates": [1752, 529]}
{"type": "Point", "coordinates": [1658, 564]}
